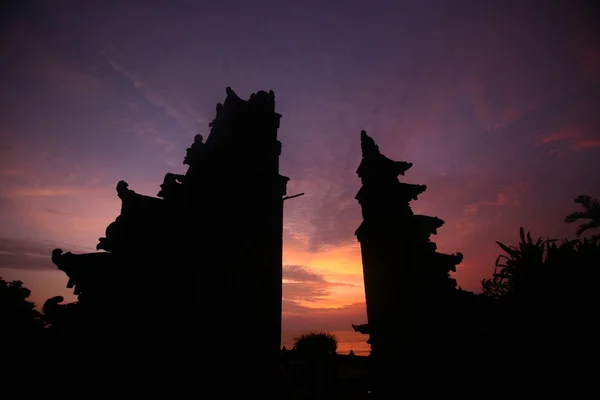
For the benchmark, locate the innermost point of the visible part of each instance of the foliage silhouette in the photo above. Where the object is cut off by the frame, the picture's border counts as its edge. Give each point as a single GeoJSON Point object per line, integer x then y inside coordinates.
{"type": "Point", "coordinates": [315, 345]}
{"type": "Point", "coordinates": [521, 263]}
{"type": "Point", "coordinates": [17, 314]}
{"type": "Point", "coordinates": [533, 265]}
{"type": "Point", "coordinates": [545, 295]}
{"type": "Point", "coordinates": [591, 211]}
{"type": "Point", "coordinates": [494, 288]}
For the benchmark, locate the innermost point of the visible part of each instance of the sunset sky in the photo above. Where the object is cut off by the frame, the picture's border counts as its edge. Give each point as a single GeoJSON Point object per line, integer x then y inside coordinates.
{"type": "Point", "coordinates": [496, 103]}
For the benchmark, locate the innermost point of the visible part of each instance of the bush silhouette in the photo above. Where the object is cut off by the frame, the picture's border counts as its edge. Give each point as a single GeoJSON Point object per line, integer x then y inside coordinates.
{"type": "Point", "coordinates": [17, 314]}
{"type": "Point", "coordinates": [315, 345]}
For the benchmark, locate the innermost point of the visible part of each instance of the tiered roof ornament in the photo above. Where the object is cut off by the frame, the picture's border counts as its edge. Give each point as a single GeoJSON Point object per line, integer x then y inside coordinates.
{"type": "Point", "coordinates": [383, 196]}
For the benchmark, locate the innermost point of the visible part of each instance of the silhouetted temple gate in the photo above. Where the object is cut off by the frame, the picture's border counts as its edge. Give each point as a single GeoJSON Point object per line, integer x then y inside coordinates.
{"type": "Point", "coordinates": [197, 271]}
{"type": "Point", "coordinates": [409, 292]}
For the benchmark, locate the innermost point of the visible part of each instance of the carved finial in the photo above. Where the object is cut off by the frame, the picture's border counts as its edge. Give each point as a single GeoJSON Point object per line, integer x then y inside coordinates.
{"type": "Point", "coordinates": [122, 188]}
{"type": "Point", "coordinates": [228, 90]}
{"type": "Point", "coordinates": [56, 253]}
{"type": "Point", "coordinates": [367, 144]}
{"type": "Point", "coordinates": [198, 139]}
{"type": "Point", "coordinates": [54, 301]}
{"type": "Point", "coordinates": [56, 256]}
{"type": "Point", "coordinates": [51, 305]}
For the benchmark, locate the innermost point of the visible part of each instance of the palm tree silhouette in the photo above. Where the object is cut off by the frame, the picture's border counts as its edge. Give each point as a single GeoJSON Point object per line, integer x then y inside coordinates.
{"type": "Point", "coordinates": [591, 206]}
{"type": "Point", "coordinates": [521, 265]}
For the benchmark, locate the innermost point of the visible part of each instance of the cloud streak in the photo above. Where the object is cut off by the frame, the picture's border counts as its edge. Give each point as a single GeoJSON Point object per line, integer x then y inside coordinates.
{"type": "Point", "coordinates": [25, 254]}
{"type": "Point", "coordinates": [182, 111]}
{"type": "Point", "coordinates": [302, 285]}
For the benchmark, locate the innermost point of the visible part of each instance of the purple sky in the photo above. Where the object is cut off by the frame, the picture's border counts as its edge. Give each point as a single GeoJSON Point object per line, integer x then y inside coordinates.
{"type": "Point", "coordinates": [495, 103]}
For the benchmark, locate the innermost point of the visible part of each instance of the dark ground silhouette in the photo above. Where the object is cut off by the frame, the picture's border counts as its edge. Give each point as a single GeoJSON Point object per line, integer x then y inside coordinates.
{"type": "Point", "coordinates": [172, 269]}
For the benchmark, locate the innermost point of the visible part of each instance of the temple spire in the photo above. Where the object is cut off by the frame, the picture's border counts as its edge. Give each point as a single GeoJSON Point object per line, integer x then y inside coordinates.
{"type": "Point", "coordinates": [407, 283]}
{"type": "Point", "coordinates": [375, 166]}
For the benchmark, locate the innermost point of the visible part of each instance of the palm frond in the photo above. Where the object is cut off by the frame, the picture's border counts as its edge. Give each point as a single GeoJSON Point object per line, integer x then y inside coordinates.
{"type": "Point", "coordinates": [587, 226]}
{"type": "Point", "coordinates": [522, 234]}
{"type": "Point", "coordinates": [511, 251]}
{"type": "Point", "coordinates": [588, 202]}
{"type": "Point", "coordinates": [576, 216]}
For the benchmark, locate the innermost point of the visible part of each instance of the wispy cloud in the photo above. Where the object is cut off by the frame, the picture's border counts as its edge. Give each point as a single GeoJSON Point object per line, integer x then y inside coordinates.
{"type": "Point", "coordinates": [56, 212]}
{"type": "Point", "coordinates": [302, 285]}
{"type": "Point", "coordinates": [25, 254]}
{"type": "Point", "coordinates": [142, 124]}
{"type": "Point", "coordinates": [14, 172]}
{"type": "Point", "coordinates": [44, 191]}
{"type": "Point", "coordinates": [585, 144]}
{"type": "Point", "coordinates": [508, 197]}
{"type": "Point", "coordinates": [178, 108]}
{"type": "Point", "coordinates": [574, 138]}
{"type": "Point", "coordinates": [300, 318]}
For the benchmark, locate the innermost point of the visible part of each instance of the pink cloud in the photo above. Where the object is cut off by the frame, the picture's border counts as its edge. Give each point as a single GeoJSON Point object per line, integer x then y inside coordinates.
{"type": "Point", "coordinates": [304, 318]}
{"type": "Point", "coordinates": [14, 172]}
{"type": "Point", "coordinates": [576, 139]}
{"type": "Point", "coordinates": [585, 144]}
{"type": "Point", "coordinates": [561, 135]}
{"type": "Point", "coordinates": [510, 196]}
{"type": "Point", "coordinates": [44, 191]}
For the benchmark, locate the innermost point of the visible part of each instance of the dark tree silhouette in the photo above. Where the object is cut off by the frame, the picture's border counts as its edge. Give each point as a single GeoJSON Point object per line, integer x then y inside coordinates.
{"type": "Point", "coordinates": [591, 212]}
{"type": "Point", "coordinates": [494, 288]}
{"type": "Point", "coordinates": [17, 314]}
